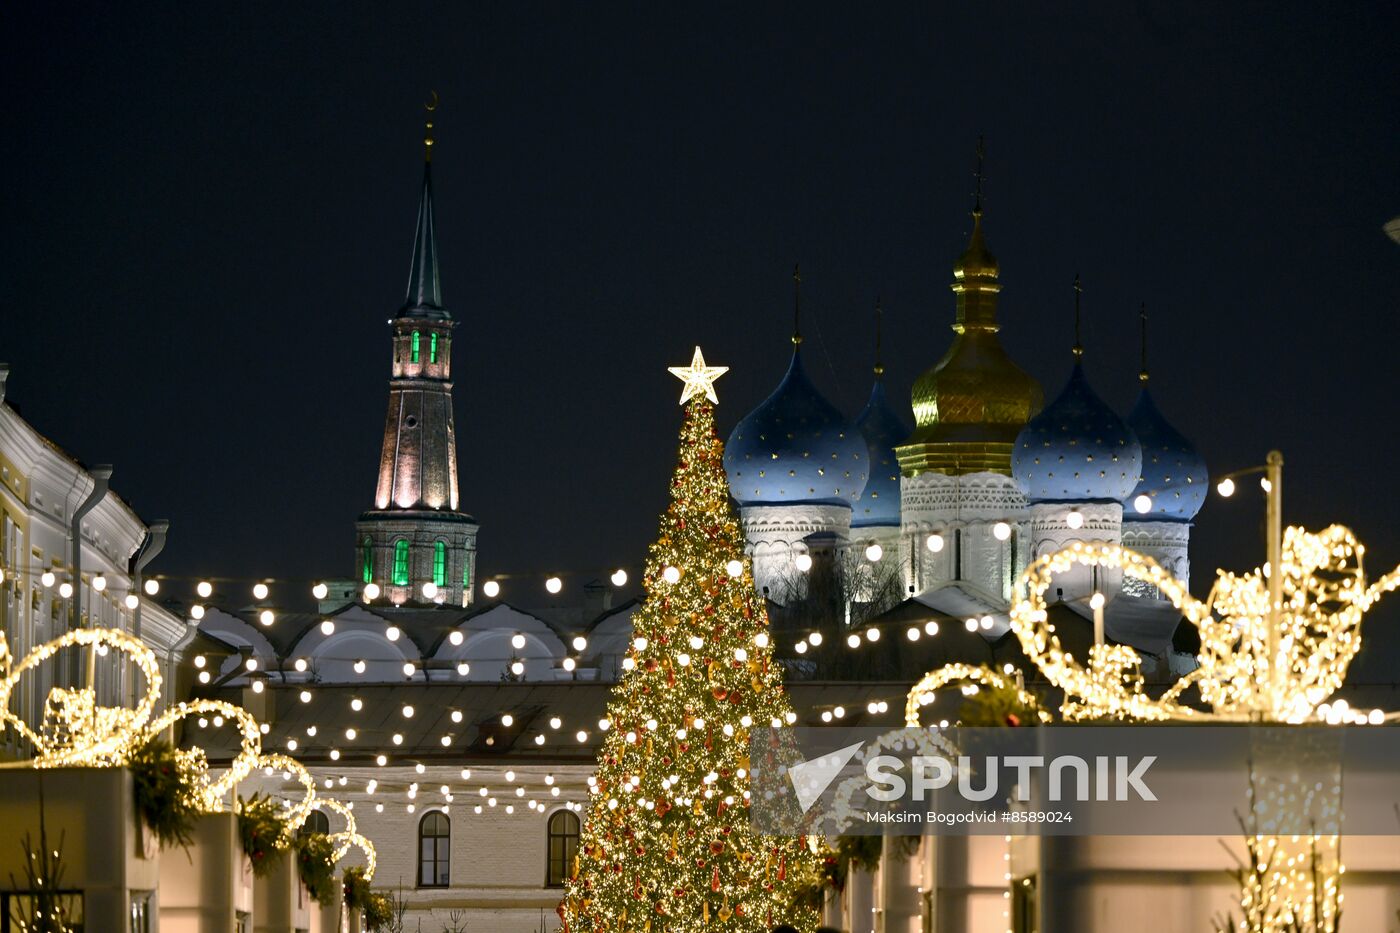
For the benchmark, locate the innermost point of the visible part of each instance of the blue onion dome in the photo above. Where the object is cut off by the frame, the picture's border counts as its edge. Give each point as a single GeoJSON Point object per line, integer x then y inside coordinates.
{"type": "Point", "coordinates": [1173, 474]}
{"type": "Point", "coordinates": [1076, 450]}
{"type": "Point", "coordinates": [796, 447]}
{"type": "Point", "coordinates": [882, 428]}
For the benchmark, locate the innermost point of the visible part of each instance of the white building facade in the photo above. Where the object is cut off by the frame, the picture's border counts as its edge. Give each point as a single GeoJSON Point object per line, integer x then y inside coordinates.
{"type": "Point", "coordinates": [43, 491]}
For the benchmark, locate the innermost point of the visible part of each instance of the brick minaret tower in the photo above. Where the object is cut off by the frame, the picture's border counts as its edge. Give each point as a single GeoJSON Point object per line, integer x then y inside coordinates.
{"type": "Point", "coordinates": [415, 535]}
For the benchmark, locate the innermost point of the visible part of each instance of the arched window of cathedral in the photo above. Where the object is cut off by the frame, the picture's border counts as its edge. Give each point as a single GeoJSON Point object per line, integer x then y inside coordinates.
{"type": "Point", "coordinates": [440, 563]}
{"type": "Point", "coordinates": [367, 559]}
{"type": "Point", "coordinates": [415, 347]}
{"type": "Point", "coordinates": [316, 822]}
{"type": "Point", "coordinates": [563, 843]}
{"type": "Point", "coordinates": [434, 843]}
{"type": "Point", "coordinates": [432, 347]}
{"type": "Point", "coordinates": [401, 562]}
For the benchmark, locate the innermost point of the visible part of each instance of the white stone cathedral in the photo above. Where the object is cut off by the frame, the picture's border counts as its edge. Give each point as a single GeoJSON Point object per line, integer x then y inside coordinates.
{"type": "Point", "coordinates": [988, 480]}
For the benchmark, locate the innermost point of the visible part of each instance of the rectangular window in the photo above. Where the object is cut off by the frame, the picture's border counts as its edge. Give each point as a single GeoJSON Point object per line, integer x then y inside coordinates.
{"type": "Point", "coordinates": [432, 348]}
{"type": "Point", "coordinates": [415, 347]}
{"type": "Point", "coordinates": [466, 570]}
{"type": "Point", "coordinates": [401, 563]}
{"type": "Point", "coordinates": [440, 564]}
{"type": "Point", "coordinates": [563, 834]}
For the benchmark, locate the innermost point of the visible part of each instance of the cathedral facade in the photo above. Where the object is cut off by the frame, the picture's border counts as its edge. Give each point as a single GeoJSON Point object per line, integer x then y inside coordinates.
{"type": "Point", "coordinates": [988, 479]}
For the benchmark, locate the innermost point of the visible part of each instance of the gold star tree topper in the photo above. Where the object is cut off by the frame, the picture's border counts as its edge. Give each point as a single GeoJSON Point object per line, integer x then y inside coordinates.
{"type": "Point", "coordinates": [699, 379]}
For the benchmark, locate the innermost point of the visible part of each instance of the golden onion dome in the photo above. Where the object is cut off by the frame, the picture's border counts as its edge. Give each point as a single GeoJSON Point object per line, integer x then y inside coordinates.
{"type": "Point", "coordinates": [970, 406]}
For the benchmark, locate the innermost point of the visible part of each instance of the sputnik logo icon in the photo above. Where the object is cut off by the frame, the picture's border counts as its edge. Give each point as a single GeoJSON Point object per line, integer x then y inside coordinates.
{"type": "Point", "coordinates": [811, 778]}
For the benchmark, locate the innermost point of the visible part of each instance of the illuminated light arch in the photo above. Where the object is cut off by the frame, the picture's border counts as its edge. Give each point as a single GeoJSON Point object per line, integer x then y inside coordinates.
{"type": "Point", "coordinates": [964, 674]}
{"type": "Point", "coordinates": [345, 840]}
{"type": "Point", "coordinates": [1324, 596]}
{"type": "Point", "coordinates": [330, 803]}
{"type": "Point", "coordinates": [210, 796]}
{"type": "Point", "coordinates": [299, 811]}
{"type": "Point", "coordinates": [80, 732]}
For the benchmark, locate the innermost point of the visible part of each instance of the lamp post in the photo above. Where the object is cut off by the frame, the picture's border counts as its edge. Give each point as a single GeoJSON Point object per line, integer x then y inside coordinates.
{"type": "Point", "coordinates": [1273, 490]}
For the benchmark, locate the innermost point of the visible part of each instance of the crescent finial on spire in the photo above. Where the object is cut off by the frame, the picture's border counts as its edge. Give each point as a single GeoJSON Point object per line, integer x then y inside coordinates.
{"type": "Point", "coordinates": [430, 106]}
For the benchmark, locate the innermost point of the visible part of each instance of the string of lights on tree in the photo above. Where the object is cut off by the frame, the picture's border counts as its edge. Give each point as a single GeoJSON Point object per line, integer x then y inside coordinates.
{"type": "Point", "coordinates": [667, 844]}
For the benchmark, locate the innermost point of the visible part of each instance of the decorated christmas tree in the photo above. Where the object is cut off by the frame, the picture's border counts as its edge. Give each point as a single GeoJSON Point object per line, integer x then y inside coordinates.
{"type": "Point", "coordinates": [668, 846]}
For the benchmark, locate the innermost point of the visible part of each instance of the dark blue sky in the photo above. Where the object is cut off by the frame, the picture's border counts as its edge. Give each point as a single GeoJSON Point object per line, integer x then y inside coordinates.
{"type": "Point", "coordinates": [208, 217]}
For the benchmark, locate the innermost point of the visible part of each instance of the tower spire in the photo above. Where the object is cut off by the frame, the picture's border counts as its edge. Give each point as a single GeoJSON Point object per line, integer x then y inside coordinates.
{"type": "Point", "coordinates": [416, 543]}
{"type": "Point", "coordinates": [796, 305]}
{"type": "Point", "coordinates": [879, 321]}
{"type": "Point", "coordinates": [424, 293]}
{"type": "Point", "coordinates": [1078, 292]}
{"type": "Point", "coordinates": [1142, 316]}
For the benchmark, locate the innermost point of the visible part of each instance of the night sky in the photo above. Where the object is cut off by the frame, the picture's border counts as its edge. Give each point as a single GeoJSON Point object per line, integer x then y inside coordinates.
{"type": "Point", "coordinates": [208, 219]}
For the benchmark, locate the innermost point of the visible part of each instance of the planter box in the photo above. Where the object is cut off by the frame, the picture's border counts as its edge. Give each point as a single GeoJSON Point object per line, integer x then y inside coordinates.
{"type": "Point", "coordinates": [281, 904]}
{"type": "Point", "coordinates": [330, 918]}
{"type": "Point", "coordinates": [104, 852]}
{"type": "Point", "coordinates": [207, 887]}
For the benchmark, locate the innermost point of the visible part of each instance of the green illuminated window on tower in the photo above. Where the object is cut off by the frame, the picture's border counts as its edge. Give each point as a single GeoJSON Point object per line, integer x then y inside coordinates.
{"type": "Point", "coordinates": [440, 563]}
{"type": "Point", "coordinates": [367, 560]}
{"type": "Point", "coordinates": [400, 563]}
{"type": "Point", "coordinates": [432, 348]}
{"type": "Point", "coordinates": [415, 346]}
{"type": "Point", "coordinates": [466, 570]}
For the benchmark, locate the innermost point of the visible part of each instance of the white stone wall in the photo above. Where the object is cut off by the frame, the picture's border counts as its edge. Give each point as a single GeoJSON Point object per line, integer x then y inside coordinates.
{"type": "Point", "coordinates": [1050, 530]}
{"type": "Point", "coordinates": [964, 511]}
{"type": "Point", "coordinates": [498, 859]}
{"type": "Point", "coordinates": [1167, 543]}
{"type": "Point", "coordinates": [776, 534]}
